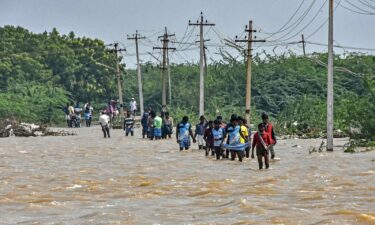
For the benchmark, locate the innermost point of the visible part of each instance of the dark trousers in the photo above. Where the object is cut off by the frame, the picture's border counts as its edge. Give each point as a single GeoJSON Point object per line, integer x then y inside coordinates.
{"type": "Point", "coordinates": [105, 130]}
{"type": "Point", "coordinates": [88, 122]}
{"type": "Point", "coordinates": [247, 150]}
{"type": "Point", "coordinates": [238, 153]}
{"type": "Point", "coordinates": [219, 152]}
{"type": "Point", "coordinates": [266, 160]}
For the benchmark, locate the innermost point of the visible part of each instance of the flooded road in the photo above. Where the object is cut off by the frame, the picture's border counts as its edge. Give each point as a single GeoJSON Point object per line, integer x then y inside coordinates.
{"type": "Point", "coordinates": [86, 179]}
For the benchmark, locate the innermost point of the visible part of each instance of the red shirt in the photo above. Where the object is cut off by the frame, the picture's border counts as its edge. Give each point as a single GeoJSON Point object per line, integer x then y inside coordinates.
{"type": "Point", "coordinates": [269, 129]}
{"type": "Point", "coordinates": [266, 138]}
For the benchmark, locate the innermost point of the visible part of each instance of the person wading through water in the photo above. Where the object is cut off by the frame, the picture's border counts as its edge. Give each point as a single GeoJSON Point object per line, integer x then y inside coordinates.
{"type": "Point", "coordinates": [199, 131]}
{"type": "Point", "coordinates": [104, 123]}
{"type": "Point", "coordinates": [269, 129]}
{"type": "Point", "coordinates": [262, 140]}
{"type": "Point", "coordinates": [183, 133]}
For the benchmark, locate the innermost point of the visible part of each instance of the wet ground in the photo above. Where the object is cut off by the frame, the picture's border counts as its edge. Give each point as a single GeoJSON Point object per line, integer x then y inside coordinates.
{"type": "Point", "coordinates": [86, 179]}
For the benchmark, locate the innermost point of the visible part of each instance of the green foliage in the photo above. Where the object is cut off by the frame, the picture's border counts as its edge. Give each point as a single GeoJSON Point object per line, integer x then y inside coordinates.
{"type": "Point", "coordinates": [40, 72]}
{"type": "Point", "coordinates": [33, 103]}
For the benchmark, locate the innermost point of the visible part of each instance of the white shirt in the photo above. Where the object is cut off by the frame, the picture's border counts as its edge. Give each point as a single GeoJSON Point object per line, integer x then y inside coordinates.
{"type": "Point", "coordinates": [133, 105]}
{"type": "Point", "coordinates": [104, 119]}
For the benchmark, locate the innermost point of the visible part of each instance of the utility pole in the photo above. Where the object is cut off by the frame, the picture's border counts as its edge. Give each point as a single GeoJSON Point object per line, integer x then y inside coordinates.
{"type": "Point", "coordinates": [165, 48]}
{"type": "Point", "coordinates": [205, 60]}
{"type": "Point", "coordinates": [201, 24]}
{"type": "Point", "coordinates": [169, 80]}
{"type": "Point", "coordinates": [303, 45]}
{"type": "Point", "coordinates": [137, 37]}
{"type": "Point", "coordinates": [330, 80]}
{"type": "Point", "coordinates": [249, 41]}
{"type": "Point", "coordinates": [119, 86]}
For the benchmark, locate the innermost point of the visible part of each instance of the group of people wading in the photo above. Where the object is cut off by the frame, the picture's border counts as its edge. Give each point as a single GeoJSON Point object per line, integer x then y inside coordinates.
{"type": "Point", "coordinates": [224, 140]}
{"type": "Point", "coordinates": [231, 139]}
{"type": "Point", "coordinates": [157, 127]}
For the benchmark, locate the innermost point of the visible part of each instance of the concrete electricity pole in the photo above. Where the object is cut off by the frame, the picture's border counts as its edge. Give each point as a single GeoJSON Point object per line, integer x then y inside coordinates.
{"type": "Point", "coordinates": [330, 80]}
{"type": "Point", "coordinates": [165, 48]}
{"type": "Point", "coordinates": [201, 24]}
{"type": "Point", "coordinates": [169, 80]}
{"type": "Point", "coordinates": [136, 37]}
{"type": "Point", "coordinates": [303, 45]}
{"type": "Point", "coordinates": [249, 41]}
{"type": "Point", "coordinates": [116, 50]}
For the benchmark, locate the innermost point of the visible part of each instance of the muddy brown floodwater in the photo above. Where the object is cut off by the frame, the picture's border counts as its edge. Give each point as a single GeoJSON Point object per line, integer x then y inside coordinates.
{"type": "Point", "coordinates": [86, 179]}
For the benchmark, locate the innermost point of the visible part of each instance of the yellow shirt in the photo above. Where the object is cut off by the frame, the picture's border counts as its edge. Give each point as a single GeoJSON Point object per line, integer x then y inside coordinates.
{"type": "Point", "coordinates": [245, 133]}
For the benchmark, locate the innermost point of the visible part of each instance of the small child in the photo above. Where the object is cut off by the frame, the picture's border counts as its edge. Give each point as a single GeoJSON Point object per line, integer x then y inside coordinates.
{"type": "Point", "coordinates": [261, 140]}
{"type": "Point", "coordinates": [218, 134]}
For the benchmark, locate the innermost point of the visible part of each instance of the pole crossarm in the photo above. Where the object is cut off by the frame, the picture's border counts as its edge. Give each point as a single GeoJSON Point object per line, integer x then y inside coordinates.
{"type": "Point", "coordinates": [136, 37]}
{"type": "Point", "coordinates": [249, 40]}
{"type": "Point", "coordinates": [165, 64]}
{"type": "Point", "coordinates": [202, 59]}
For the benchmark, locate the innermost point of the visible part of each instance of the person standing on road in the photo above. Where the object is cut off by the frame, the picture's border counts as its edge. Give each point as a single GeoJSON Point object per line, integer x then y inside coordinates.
{"type": "Point", "coordinates": [88, 113]}
{"type": "Point", "coordinates": [71, 114]}
{"type": "Point", "coordinates": [104, 123]}
{"type": "Point", "coordinates": [67, 117]}
{"type": "Point", "coordinates": [133, 106]}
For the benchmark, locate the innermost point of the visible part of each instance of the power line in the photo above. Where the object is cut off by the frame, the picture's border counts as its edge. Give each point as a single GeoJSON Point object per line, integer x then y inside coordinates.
{"type": "Point", "coordinates": [281, 29]}
{"type": "Point", "coordinates": [320, 27]}
{"type": "Point", "coordinates": [356, 11]}
{"type": "Point", "coordinates": [340, 46]}
{"type": "Point", "coordinates": [294, 25]}
{"type": "Point", "coordinates": [308, 24]}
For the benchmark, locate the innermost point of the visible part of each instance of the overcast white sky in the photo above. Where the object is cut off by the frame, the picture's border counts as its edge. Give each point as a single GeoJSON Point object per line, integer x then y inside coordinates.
{"type": "Point", "coordinates": [112, 20]}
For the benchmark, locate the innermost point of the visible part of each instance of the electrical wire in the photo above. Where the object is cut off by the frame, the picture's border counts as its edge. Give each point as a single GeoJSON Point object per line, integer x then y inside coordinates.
{"type": "Point", "coordinates": [320, 27]}
{"type": "Point", "coordinates": [308, 24]}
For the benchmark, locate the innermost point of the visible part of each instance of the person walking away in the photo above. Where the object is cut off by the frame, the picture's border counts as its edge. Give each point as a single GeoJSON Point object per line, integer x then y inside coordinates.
{"type": "Point", "coordinates": [157, 127]}
{"type": "Point", "coordinates": [77, 113]}
{"type": "Point", "coordinates": [229, 128]}
{"type": "Point", "coordinates": [167, 125]}
{"type": "Point", "coordinates": [144, 124]}
{"type": "Point", "coordinates": [88, 113]}
{"type": "Point", "coordinates": [234, 135]}
{"type": "Point", "coordinates": [262, 140]}
{"type": "Point", "coordinates": [218, 134]}
{"type": "Point", "coordinates": [269, 129]}
{"type": "Point", "coordinates": [245, 133]}
{"type": "Point", "coordinates": [133, 106]}
{"type": "Point", "coordinates": [199, 131]}
{"type": "Point", "coordinates": [104, 123]}
{"type": "Point", "coordinates": [129, 124]}
{"type": "Point", "coordinates": [150, 120]}
{"type": "Point", "coordinates": [208, 138]}
{"type": "Point", "coordinates": [183, 133]}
